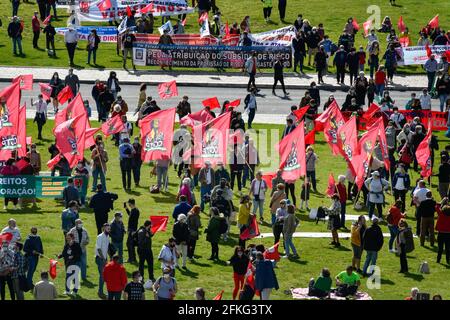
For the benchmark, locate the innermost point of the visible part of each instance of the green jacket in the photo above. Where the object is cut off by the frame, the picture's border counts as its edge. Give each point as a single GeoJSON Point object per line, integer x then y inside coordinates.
{"type": "Point", "coordinates": [267, 3]}
{"type": "Point", "coordinates": [212, 231]}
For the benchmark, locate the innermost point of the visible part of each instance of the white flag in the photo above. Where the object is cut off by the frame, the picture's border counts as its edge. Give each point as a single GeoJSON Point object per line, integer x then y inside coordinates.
{"type": "Point", "coordinates": [166, 26]}
{"type": "Point", "coordinates": [123, 25]}
{"type": "Point", "coordinates": [204, 30]}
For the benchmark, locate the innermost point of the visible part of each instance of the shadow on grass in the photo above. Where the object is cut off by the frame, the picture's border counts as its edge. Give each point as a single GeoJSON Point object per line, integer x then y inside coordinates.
{"type": "Point", "coordinates": [203, 265]}
{"type": "Point", "coordinates": [169, 199]}
{"type": "Point", "coordinates": [88, 284]}
{"type": "Point", "coordinates": [414, 276]}
{"type": "Point", "coordinates": [188, 273]}
{"type": "Point", "coordinates": [298, 261]}
{"type": "Point", "coordinates": [23, 211]}
{"type": "Point", "coordinates": [388, 282]}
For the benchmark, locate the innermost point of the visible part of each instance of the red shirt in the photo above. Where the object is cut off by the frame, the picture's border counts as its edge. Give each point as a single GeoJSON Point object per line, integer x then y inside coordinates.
{"type": "Point", "coordinates": [342, 191]}
{"type": "Point", "coordinates": [35, 24]}
{"type": "Point", "coordinates": [380, 77]}
{"type": "Point", "coordinates": [396, 215]}
{"type": "Point", "coordinates": [443, 221]}
{"type": "Point", "coordinates": [115, 277]}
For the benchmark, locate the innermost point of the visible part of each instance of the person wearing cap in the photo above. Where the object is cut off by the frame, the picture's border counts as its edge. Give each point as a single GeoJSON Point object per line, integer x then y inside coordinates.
{"type": "Point", "coordinates": [81, 236]}
{"type": "Point", "coordinates": [165, 287]}
{"type": "Point", "coordinates": [101, 256]}
{"type": "Point", "coordinates": [372, 242]}
{"type": "Point", "coordinates": [41, 114]}
{"type": "Point", "coordinates": [117, 234]}
{"type": "Point", "coordinates": [340, 61]}
{"type": "Point", "coordinates": [376, 186]}
{"type": "Point", "coordinates": [115, 277]}
{"type": "Point", "coordinates": [126, 152]}
{"type": "Point", "coordinates": [71, 40]}
{"type": "Point", "coordinates": [36, 28]}
{"type": "Point", "coordinates": [431, 67]}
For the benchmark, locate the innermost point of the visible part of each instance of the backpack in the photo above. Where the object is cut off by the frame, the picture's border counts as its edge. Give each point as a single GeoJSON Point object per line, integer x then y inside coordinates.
{"type": "Point", "coordinates": [223, 226]}
{"type": "Point", "coordinates": [409, 240]}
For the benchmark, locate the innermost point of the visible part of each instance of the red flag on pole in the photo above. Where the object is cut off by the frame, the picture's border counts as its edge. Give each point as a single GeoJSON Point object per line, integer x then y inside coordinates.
{"type": "Point", "coordinates": [113, 125]}
{"type": "Point", "coordinates": [292, 154]}
{"type": "Point", "coordinates": [148, 8]}
{"type": "Point", "coordinates": [401, 25]}
{"type": "Point", "coordinates": [211, 141]}
{"type": "Point", "coordinates": [54, 161]}
{"type": "Point", "coordinates": [89, 139]}
{"type": "Point", "coordinates": [7, 236]}
{"type": "Point", "coordinates": [65, 134]}
{"type": "Point", "coordinates": [348, 141]}
{"type": "Point", "coordinates": [331, 188]}
{"type": "Point", "coordinates": [423, 155]}
{"type": "Point", "coordinates": [272, 252]}
{"type": "Point", "coordinates": [129, 13]}
{"type": "Point", "coordinates": [73, 109]}
{"type": "Point", "coordinates": [383, 142]}
{"type": "Point", "coordinates": [104, 5]}
{"type": "Point", "coordinates": [157, 135]}
{"type": "Point", "coordinates": [404, 41]}
{"type": "Point", "coordinates": [46, 90]}
{"type": "Point", "coordinates": [212, 103]}
{"type": "Point", "coordinates": [301, 112]}
{"type": "Point", "coordinates": [373, 109]}
{"type": "Point", "coordinates": [203, 17]}
{"type": "Point", "coordinates": [355, 24]}
{"type": "Point", "coordinates": [428, 49]}
{"type": "Point", "coordinates": [267, 177]}
{"type": "Point", "coordinates": [227, 30]}
{"type": "Point", "coordinates": [52, 269]}
{"type": "Point", "coordinates": [310, 138]}
{"type": "Point", "coordinates": [252, 231]}
{"type": "Point", "coordinates": [47, 20]}
{"type": "Point", "coordinates": [367, 26]}
{"type": "Point", "coordinates": [167, 90]}
{"type": "Point", "coordinates": [332, 119]}
{"type": "Point", "coordinates": [65, 94]}
{"type": "Point", "coordinates": [21, 133]}
{"type": "Point", "coordinates": [233, 104]}
{"type": "Point", "coordinates": [25, 81]}
{"type": "Point", "coordinates": [219, 296]}
{"type": "Point", "coordinates": [434, 23]}
{"type": "Point", "coordinates": [159, 223]}
{"type": "Point", "coordinates": [196, 118]}
{"type": "Point", "coordinates": [361, 162]}
{"type": "Point", "coordinates": [9, 120]}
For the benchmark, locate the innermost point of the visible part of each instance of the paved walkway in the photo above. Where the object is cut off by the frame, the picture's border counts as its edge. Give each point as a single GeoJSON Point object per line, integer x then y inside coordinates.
{"type": "Point", "coordinates": [202, 79]}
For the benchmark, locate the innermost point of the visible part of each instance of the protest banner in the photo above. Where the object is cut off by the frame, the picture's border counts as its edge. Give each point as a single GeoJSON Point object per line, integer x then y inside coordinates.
{"type": "Point", "coordinates": [418, 54]}
{"type": "Point", "coordinates": [106, 34]}
{"type": "Point", "coordinates": [145, 54]}
{"type": "Point", "coordinates": [278, 37]}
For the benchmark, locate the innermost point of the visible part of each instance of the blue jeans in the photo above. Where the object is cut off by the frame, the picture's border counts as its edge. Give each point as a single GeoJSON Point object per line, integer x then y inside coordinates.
{"type": "Point", "coordinates": [443, 100]}
{"type": "Point", "coordinates": [312, 176]}
{"type": "Point", "coordinates": [95, 173]}
{"type": "Point", "coordinates": [17, 42]}
{"type": "Point", "coordinates": [430, 76]}
{"type": "Point", "coordinates": [371, 259]}
{"type": "Point", "coordinates": [32, 264]}
{"type": "Point", "coordinates": [83, 265]}
{"type": "Point", "coordinates": [114, 295]}
{"type": "Point", "coordinates": [394, 232]}
{"type": "Point", "coordinates": [92, 51]}
{"type": "Point", "coordinates": [204, 190]}
{"type": "Point", "coordinates": [379, 89]}
{"type": "Point", "coordinates": [258, 204]}
{"type": "Point", "coordinates": [288, 244]}
{"type": "Point", "coordinates": [161, 174]}
{"type": "Point", "coordinates": [119, 247]}
{"type": "Point", "coordinates": [100, 264]}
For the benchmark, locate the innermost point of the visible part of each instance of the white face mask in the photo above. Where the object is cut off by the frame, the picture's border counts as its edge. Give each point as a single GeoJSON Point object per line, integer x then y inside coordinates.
{"type": "Point", "coordinates": [166, 276]}
{"type": "Point", "coordinates": [140, 279]}
{"type": "Point", "coordinates": [80, 226]}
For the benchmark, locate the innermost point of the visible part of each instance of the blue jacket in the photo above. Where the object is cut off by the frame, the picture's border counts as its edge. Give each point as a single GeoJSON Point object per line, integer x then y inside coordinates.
{"type": "Point", "coordinates": [117, 231]}
{"type": "Point", "coordinates": [407, 180]}
{"type": "Point", "coordinates": [32, 243]}
{"type": "Point", "coordinates": [68, 218]}
{"type": "Point", "coordinates": [265, 277]}
{"type": "Point", "coordinates": [70, 193]}
{"type": "Point", "coordinates": [181, 208]}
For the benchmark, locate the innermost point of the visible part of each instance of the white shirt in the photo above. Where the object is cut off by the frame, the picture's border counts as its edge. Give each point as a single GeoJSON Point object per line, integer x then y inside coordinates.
{"type": "Point", "coordinates": [208, 176]}
{"type": "Point", "coordinates": [425, 101]}
{"type": "Point", "coordinates": [252, 102]}
{"type": "Point", "coordinates": [376, 187]}
{"type": "Point", "coordinates": [260, 188]}
{"type": "Point", "coordinates": [41, 106]}
{"type": "Point", "coordinates": [102, 244]}
{"type": "Point", "coordinates": [167, 254]}
{"type": "Point", "coordinates": [71, 36]}
{"type": "Point", "coordinates": [400, 185]}
{"type": "Point", "coordinates": [397, 118]}
{"type": "Point", "coordinates": [15, 232]}
{"type": "Point", "coordinates": [420, 194]}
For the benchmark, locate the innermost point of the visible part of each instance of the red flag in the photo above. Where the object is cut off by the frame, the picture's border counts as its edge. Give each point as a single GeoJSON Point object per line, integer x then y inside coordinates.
{"type": "Point", "coordinates": [423, 155]}
{"type": "Point", "coordinates": [7, 236]}
{"type": "Point", "coordinates": [331, 188]}
{"type": "Point", "coordinates": [348, 141]}
{"type": "Point", "coordinates": [196, 118]}
{"type": "Point", "coordinates": [148, 8]}
{"type": "Point", "coordinates": [73, 109]}
{"type": "Point", "coordinates": [22, 132]}
{"type": "Point", "coordinates": [211, 140]}
{"type": "Point", "coordinates": [310, 138]}
{"type": "Point", "coordinates": [53, 162]}
{"type": "Point", "coordinates": [89, 139]}
{"type": "Point", "coordinates": [167, 90]}
{"type": "Point", "coordinates": [272, 252]}
{"type": "Point", "coordinates": [65, 94]}
{"type": "Point", "coordinates": [252, 231]}
{"type": "Point", "coordinates": [227, 30]}
{"type": "Point", "coordinates": [332, 119]}
{"type": "Point", "coordinates": [428, 49]}
{"type": "Point", "coordinates": [183, 23]}
{"type": "Point", "coordinates": [46, 90]}
{"type": "Point", "coordinates": [29, 142]}
{"type": "Point", "coordinates": [361, 162]}
{"type": "Point", "coordinates": [401, 25]}
{"type": "Point", "coordinates": [212, 103]}
{"type": "Point", "coordinates": [129, 13]}
{"type": "Point", "coordinates": [373, 109]}
{"type": "Point", "coordinates": [9, 119]}
{"type": "Point", "coordinates": [25, 81]}
{"type": "Point", "coordinates": [113, 125]}
{"type": "Point", "coordinates": [404, 41]}
{"type": "Point", "coordinates": [104, 5]}
{"type": "Point", "coordinates": [292, 154]}
{"type": "Point", "coordinates": [267, 177]}
{"type": "Point", "coordinates": [434, 23]}
{"type": "Point", "coordinates": [300, 113]}
{"type": "Point", "coordinates": [233, 104]}
{"type": "Point", "coordinates": [203, 17]}
{"type": "Point", "coordinates": [236, 136]}
{"type": "Point", "coordinates": [367, 26]}
{"type": "Point", "coordinates": [355, 24]}
{"type": "Point", "coordinates": [159, 223]}
{"type": "Point", "coordinates": [219, 296]}
{"type": "Point", "coordinates": [383, 142]}
{"type": "Point", "coordinates": [65, 134]}
{"type": "Point", "coordinates": [157, 135]}
{"type": "Point", "coordinates": [52, 269]}
{"type": "Point", "coordinates": [447, 54]}
{"type": "Point", "coordinates": [47, 20]}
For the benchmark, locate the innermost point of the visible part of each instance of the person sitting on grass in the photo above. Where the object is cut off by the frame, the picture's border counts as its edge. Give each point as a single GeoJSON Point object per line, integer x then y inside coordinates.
{"type": "Point", "coordinates": [347, 282]}
{"type": "Point", "coordinates": [321, 286]}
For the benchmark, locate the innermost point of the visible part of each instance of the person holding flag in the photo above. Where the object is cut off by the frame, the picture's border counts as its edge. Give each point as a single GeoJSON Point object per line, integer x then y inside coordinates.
{"type": "Point", "coordinates": [239, 261]}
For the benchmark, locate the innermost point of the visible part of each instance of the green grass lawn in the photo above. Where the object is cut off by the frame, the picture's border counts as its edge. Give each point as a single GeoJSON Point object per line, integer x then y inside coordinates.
{"type": "Point", "coordinates": [333, 15]}
{"type": "Point", "coordinates": [214, 277]}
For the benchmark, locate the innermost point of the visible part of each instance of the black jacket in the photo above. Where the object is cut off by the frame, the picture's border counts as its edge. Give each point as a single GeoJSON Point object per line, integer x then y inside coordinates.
{"type": "Point", "coordinates": [373, 238]}
{"type": "Point", "coordinates": [102, 202]}
{"type": "Point", "coordinates": [427, 208]}
{"type": "Point", "coordinates": [240, 264]}
{"type": "Point", "coordinates": [180, 232]}
{"type": "Point", "coordinates": [71, 254]}
{"type": "Point", "coordinates": [144, 240]}
{"type": "Point", "coordinates": [133, 219]}
{"type": "Point", "coordinates": [117, 231]}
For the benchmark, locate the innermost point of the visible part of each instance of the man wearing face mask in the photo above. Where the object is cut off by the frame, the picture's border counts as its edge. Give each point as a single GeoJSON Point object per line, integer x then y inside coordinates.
{"type": "Point", "coordinates": [425, 100]}
{"type": "Point", "coordinates": [221, 173]}
{"type": "Point", "coordinates": [431, 67]}
{"type": "Point", "coordinates": [144, 249]}
{"type": "Point", "coordinates": [81, 236]}
{"type": "Point", "coordinates": [101, 256]}
{"type": "Point", "coordinates": [69, 216]}
{"type": "Point", "coordinates": [99, 158]}
{"type": "Point", "coordinates": [405, 134]}
{"type": "Point", "coordinates": [117, 234]}
{"type": "Point", "coordinates": [168, 256]}
{"type": "Point", "coordinates": [398, 120]}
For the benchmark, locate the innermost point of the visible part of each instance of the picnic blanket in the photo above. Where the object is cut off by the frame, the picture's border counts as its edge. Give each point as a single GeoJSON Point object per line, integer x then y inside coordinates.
{"type": "Point", "coordinates": [302, 294]}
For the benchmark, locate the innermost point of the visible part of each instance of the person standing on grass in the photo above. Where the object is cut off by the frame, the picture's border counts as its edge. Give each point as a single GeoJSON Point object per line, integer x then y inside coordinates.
{"type": "Point", "coordinates": [278, 76]}
{"type": "Point", "coordinates": [168, 256]}
{"type": "Point", "coordinates": [181, 234]}
{"type": "Point", "coordinates": [145, 249]}
{"type": "Point", "coordinates": [372, 242]}
{"type": "Point", "coordinates": [15, 7]}
{"type": "Point", "coordinates": [126, 152]}
{"type": "Point", "coordinates": [443, 230]}
{"type": "Point", "coordinates": [69, 216]}
{"type": "Point", "coordinates": [401, 244]}
{"type": "Point", "coordinates": [393, 218]}
{"type": "Point", "coordinates": [44, 289]}
{"type": "Point", "coordinates": [444, 176]}
{"type": "Point", "coordinates": [134, 290]}
{"type": "Point", "coordinates": [117, 234]}
{"type": "Point", "coordinates": [334, 221]}
{"type": "Point", "coordinates": [41, 114]}
{"type": "Point", "coordinates": [277, 201]}
{"type": "Point", "coordinates": [19, 271]}
{"type": "Point", "coordinates": [426, 211]}
{"type": "Point", "coordinates": [206, 177]}
{"type": "Point", "coordinates": [165, 287]}
{"type": "Point", "coordinates": [251, 64]}
{"type": "Point", "coordinates": [194, 224]}
{"type": "Point", "coordinates": [357, 232]}
{"type": "Point", "coordinates": [33, 249]}
{"type": "Point", "coordinates": [81, 236]}
{"type": "Point", "coordinates": [15, 29]}
{"type": "Point", "coordinates": [401, 184]}
{"type": "Point", "coordinates": [257, 192]}
{"type": "Point", "coordinates": [376, 186]}
{"type": "Point", "coordinates": [101, 203]}
{"type": "Point", "coordinates": [133, 220]}
{"type": "Point", "coordinates": [70, 193]}
{"type": "Point", "coordinates": [101, 256]}
{"type": "Point", "coordinates": [213, 232]}
{"type": "Point", "coordinates": [72, 255]}
{"type": "Point", "coordinates": [251, 159]}
{"type": "Point", "coordinates": [265, 277]}
{"type": "Point", "coordinates": [36, 27]}
{"type": "Point", "coordinates": [239, 261]}
{"type": "Point", "coordinates": [50, 33]}
{"type": "Point", "coordinates": [267, 9]}
{"type": "Point", "coordinates": [115, 277]}
{"type": "Point", "coordinates": [71, 40]}
{"type": "Point", "coordinates": [282, 9]}
{"type": "Point", "coordinates": [93, 42]}
{"type": "Point", "coordinates": [99, 158]}
{"type": "Point", "coordinates": [341, 190]}
{"type": "Point", "coordinates": [127, 44]}
{"type": "Point", "coordinates": [289, 225]}
{"type": "Point", "coordinates": [311, 160]}
{"type": "Point", "coordinates": [243, 216]}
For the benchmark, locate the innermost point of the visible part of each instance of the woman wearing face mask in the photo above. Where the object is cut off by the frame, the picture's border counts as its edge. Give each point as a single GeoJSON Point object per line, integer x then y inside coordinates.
{"type": "Point", "coordinates": [239, 261]}
{"type": "Point", "coordinates": [387, 100]}
{"type": "Point", "coordinates": [165, 287]}
{"type": "Point", "coordinates": [72, 256]}
{"type": "Point", "coordinates": [57, 85]}
{"type": "Point", "coordinates": [81, 236]}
